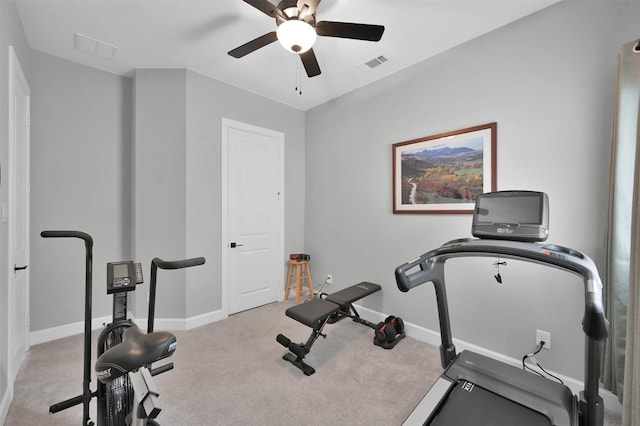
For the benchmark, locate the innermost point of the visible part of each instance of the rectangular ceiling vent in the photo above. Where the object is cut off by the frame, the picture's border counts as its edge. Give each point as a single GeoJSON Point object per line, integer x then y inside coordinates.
{"type": "Point", "coordinates": [375, 62]}
{"type": "Point", "coordinates": [94, 47]}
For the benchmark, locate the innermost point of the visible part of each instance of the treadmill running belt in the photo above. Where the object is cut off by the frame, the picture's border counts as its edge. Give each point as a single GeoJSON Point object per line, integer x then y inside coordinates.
{"type": "Point", "coordinates": [468, 404]}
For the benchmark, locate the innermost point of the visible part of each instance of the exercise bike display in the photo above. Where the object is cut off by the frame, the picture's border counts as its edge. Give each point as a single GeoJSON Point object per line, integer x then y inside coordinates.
{"type": "Point", "coordinates": [125, 393]}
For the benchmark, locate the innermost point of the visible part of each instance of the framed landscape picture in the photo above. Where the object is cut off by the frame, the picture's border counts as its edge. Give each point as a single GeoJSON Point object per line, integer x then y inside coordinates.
{"type": "Point", "coordinates": [444, 173]}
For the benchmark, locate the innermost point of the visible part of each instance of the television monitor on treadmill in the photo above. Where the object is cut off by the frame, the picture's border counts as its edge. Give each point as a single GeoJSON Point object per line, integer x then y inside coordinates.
{"type": "Point", "coordinates": [511, 215]}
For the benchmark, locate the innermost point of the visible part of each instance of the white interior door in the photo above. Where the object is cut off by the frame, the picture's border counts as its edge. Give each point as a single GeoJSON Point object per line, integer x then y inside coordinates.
{"type": "Point", "coordinates": [254, 215]}
{"type": "Point", "coordinates": [18, 214]}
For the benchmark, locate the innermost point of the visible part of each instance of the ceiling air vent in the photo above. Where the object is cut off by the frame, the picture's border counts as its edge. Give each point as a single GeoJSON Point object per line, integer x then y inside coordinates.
{"type": "Point", "coordinates": [94, 47]}
{"type": "Point", "coordinates": [373, 63]}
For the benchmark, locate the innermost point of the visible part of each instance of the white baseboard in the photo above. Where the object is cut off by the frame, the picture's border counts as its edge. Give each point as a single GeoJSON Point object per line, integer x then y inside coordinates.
{"type": "Point", "coordinates": [611, 403]}
{"type": "Point", "coordinates": [54, 333]}
{"type": "Point", "coordinates": [184, 324]}
{"type": "Point", "coordinates": [6, 402]}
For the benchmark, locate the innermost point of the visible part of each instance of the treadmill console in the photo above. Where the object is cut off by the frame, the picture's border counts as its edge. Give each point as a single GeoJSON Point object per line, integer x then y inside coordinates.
{"type": "Point", "coordinates": [511, 215]}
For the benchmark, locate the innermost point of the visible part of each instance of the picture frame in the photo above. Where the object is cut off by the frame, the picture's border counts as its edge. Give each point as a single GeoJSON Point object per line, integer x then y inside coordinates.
{"type": "Point", "coordinates": [444, 173]}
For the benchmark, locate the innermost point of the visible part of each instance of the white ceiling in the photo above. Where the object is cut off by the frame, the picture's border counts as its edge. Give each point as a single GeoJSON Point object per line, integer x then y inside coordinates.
{"type": "Point", "coordinates": [197, 34]}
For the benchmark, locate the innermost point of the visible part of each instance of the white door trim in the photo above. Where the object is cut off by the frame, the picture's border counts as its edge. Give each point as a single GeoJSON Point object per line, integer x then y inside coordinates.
{"type": "Point", "coordinates": [224, 169]}
{"type": "Point", "coordinates": [15, 76]}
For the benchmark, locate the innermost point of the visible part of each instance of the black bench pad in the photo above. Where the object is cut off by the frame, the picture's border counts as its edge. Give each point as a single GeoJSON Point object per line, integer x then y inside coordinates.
{"type": "Point", "coordinates": [353, 293]}
{"type": "Point", "coordinates": [312, 313]}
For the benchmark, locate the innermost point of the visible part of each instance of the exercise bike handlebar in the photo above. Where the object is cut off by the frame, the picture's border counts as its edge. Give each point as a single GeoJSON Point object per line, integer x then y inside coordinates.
{"type": "Point", "coordinates": [164, 264]}
{"type": "Point", "coordinates": [177, 264]}
{"type": "Point", "coordinates": [86, 396]}
{"type": "Point", "coordinates": [69, 234]}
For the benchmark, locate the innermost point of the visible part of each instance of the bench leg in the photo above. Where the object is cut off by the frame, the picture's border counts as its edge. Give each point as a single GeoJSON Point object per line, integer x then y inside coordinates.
{"type": "Point", "coordinates": [299, 351]}
{"type": "Point", "coordinates": [306, 368]}
{"type": "Point", "coordinates": [349, 311]}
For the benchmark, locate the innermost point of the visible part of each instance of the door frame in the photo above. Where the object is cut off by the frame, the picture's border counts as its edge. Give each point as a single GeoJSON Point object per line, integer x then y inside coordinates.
{"type": "Point", "coordinates": [16, 76]}
{"type": "Point", "coordinates": [224, 169]}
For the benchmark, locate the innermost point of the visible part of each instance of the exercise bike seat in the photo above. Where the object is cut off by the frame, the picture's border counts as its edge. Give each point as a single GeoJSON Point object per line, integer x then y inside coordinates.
{"type": "Point", "coordinates": [136, 350]}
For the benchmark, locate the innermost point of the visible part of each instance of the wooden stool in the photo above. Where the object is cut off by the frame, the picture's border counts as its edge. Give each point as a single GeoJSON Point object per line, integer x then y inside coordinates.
{"type": "Point", "coordinates": [299, 270]}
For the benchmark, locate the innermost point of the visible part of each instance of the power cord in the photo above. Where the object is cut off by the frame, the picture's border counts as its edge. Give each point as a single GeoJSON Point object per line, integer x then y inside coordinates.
{"type": "Point", "coordinates": [531, 356]}
{"type": "Point", "coordinates": [320, 289]}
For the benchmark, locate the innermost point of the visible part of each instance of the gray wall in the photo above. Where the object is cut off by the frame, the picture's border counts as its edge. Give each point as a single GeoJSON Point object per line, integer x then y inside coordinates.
{"type": "Point", "coordinates": [160, 179]}
{"type": "Point", "coordinates": [177, 146]}
{"type": "Point", "coordinates": [208, 101]}
{"type": "Point", "coordinates": [11, 34]}
{"type": "Point", "coordinates": [548, 80]}
{"type": "Point", "coordinates": [80, 180]}
{"type": "Point", "coordinates": [136, 164]}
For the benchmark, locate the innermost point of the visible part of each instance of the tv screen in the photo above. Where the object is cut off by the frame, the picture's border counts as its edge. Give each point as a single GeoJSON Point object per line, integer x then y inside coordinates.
{"type": "Point", "coordinates": [512, 215]}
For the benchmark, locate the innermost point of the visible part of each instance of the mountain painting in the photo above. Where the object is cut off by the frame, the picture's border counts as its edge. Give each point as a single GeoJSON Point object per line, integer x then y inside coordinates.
{"type": "Point", "coordinates": [444, 173]}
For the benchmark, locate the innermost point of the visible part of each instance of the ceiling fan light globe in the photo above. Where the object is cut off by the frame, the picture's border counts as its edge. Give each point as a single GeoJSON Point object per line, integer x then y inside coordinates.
{"type": "Point", "coordinates": [296, 36]}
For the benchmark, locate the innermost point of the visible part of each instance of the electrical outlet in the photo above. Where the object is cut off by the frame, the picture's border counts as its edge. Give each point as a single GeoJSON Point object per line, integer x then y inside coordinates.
{"type": "Point", "coordinates": [329, 279]}
{"type": "Point", "coordinates": [543, 336]}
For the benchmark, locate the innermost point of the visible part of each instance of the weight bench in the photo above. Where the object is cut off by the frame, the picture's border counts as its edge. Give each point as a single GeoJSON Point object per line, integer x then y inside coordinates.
{"type": "Point", "coordinates": [330, 308]}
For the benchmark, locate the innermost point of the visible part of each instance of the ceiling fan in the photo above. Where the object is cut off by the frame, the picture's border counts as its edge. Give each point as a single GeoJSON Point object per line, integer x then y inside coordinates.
{"type": "Point", "coordinates": [297, 30]}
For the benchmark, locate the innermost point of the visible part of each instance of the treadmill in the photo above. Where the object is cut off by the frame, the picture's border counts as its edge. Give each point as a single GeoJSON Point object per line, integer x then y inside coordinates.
{"type": "Point", "coordinates": [480, 391]}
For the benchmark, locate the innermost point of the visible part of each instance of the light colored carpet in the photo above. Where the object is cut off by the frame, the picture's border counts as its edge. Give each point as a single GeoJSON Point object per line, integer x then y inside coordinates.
{"type": "Point", "coordinates": [232, 373]}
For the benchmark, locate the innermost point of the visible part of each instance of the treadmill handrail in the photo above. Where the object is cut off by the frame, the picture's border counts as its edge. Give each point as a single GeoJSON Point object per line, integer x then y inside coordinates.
{"type": "Point", "coordinates": [594, 324]}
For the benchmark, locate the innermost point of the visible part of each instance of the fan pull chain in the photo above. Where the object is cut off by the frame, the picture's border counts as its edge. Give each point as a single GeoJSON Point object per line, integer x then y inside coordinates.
{"type": "Point", "coordinates": [298, 86]}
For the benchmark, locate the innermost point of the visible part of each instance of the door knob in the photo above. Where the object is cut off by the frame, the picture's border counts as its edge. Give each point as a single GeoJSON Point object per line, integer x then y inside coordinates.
{"type": "Point", "coordinates": [19, 268]}
{"type": "Point", "coordinates": [234, 245]}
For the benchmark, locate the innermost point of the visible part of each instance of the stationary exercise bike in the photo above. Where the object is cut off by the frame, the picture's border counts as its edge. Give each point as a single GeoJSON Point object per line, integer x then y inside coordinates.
{"type": "Point", "coordinates": [126, 394]}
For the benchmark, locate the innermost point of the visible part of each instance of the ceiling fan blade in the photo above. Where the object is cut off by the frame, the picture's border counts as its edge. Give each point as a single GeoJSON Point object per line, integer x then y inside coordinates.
{"type": "Point", "coordinates": [253, 45]}
{"type": "Point", "coordinates": [267, 8]}
{"type": "Point", "coordinates": [350, 30]}
{"type": "Point", "coordinates": [310, 63]}
{"type": "Point", "coordinates": [312, 5]}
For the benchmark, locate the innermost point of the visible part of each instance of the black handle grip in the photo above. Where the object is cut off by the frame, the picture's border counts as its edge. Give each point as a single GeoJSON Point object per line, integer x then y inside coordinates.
{"type": "Point", "coordinates": [407, 280]}
{"type": "Point", "coordinates": [71, 402]}
{"type": "Point", "coordinates": [595, 323]}
{"type": "Point", "coordinates": [68, 234]}
{"type": "Point", "coordinates": [177, 264]}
